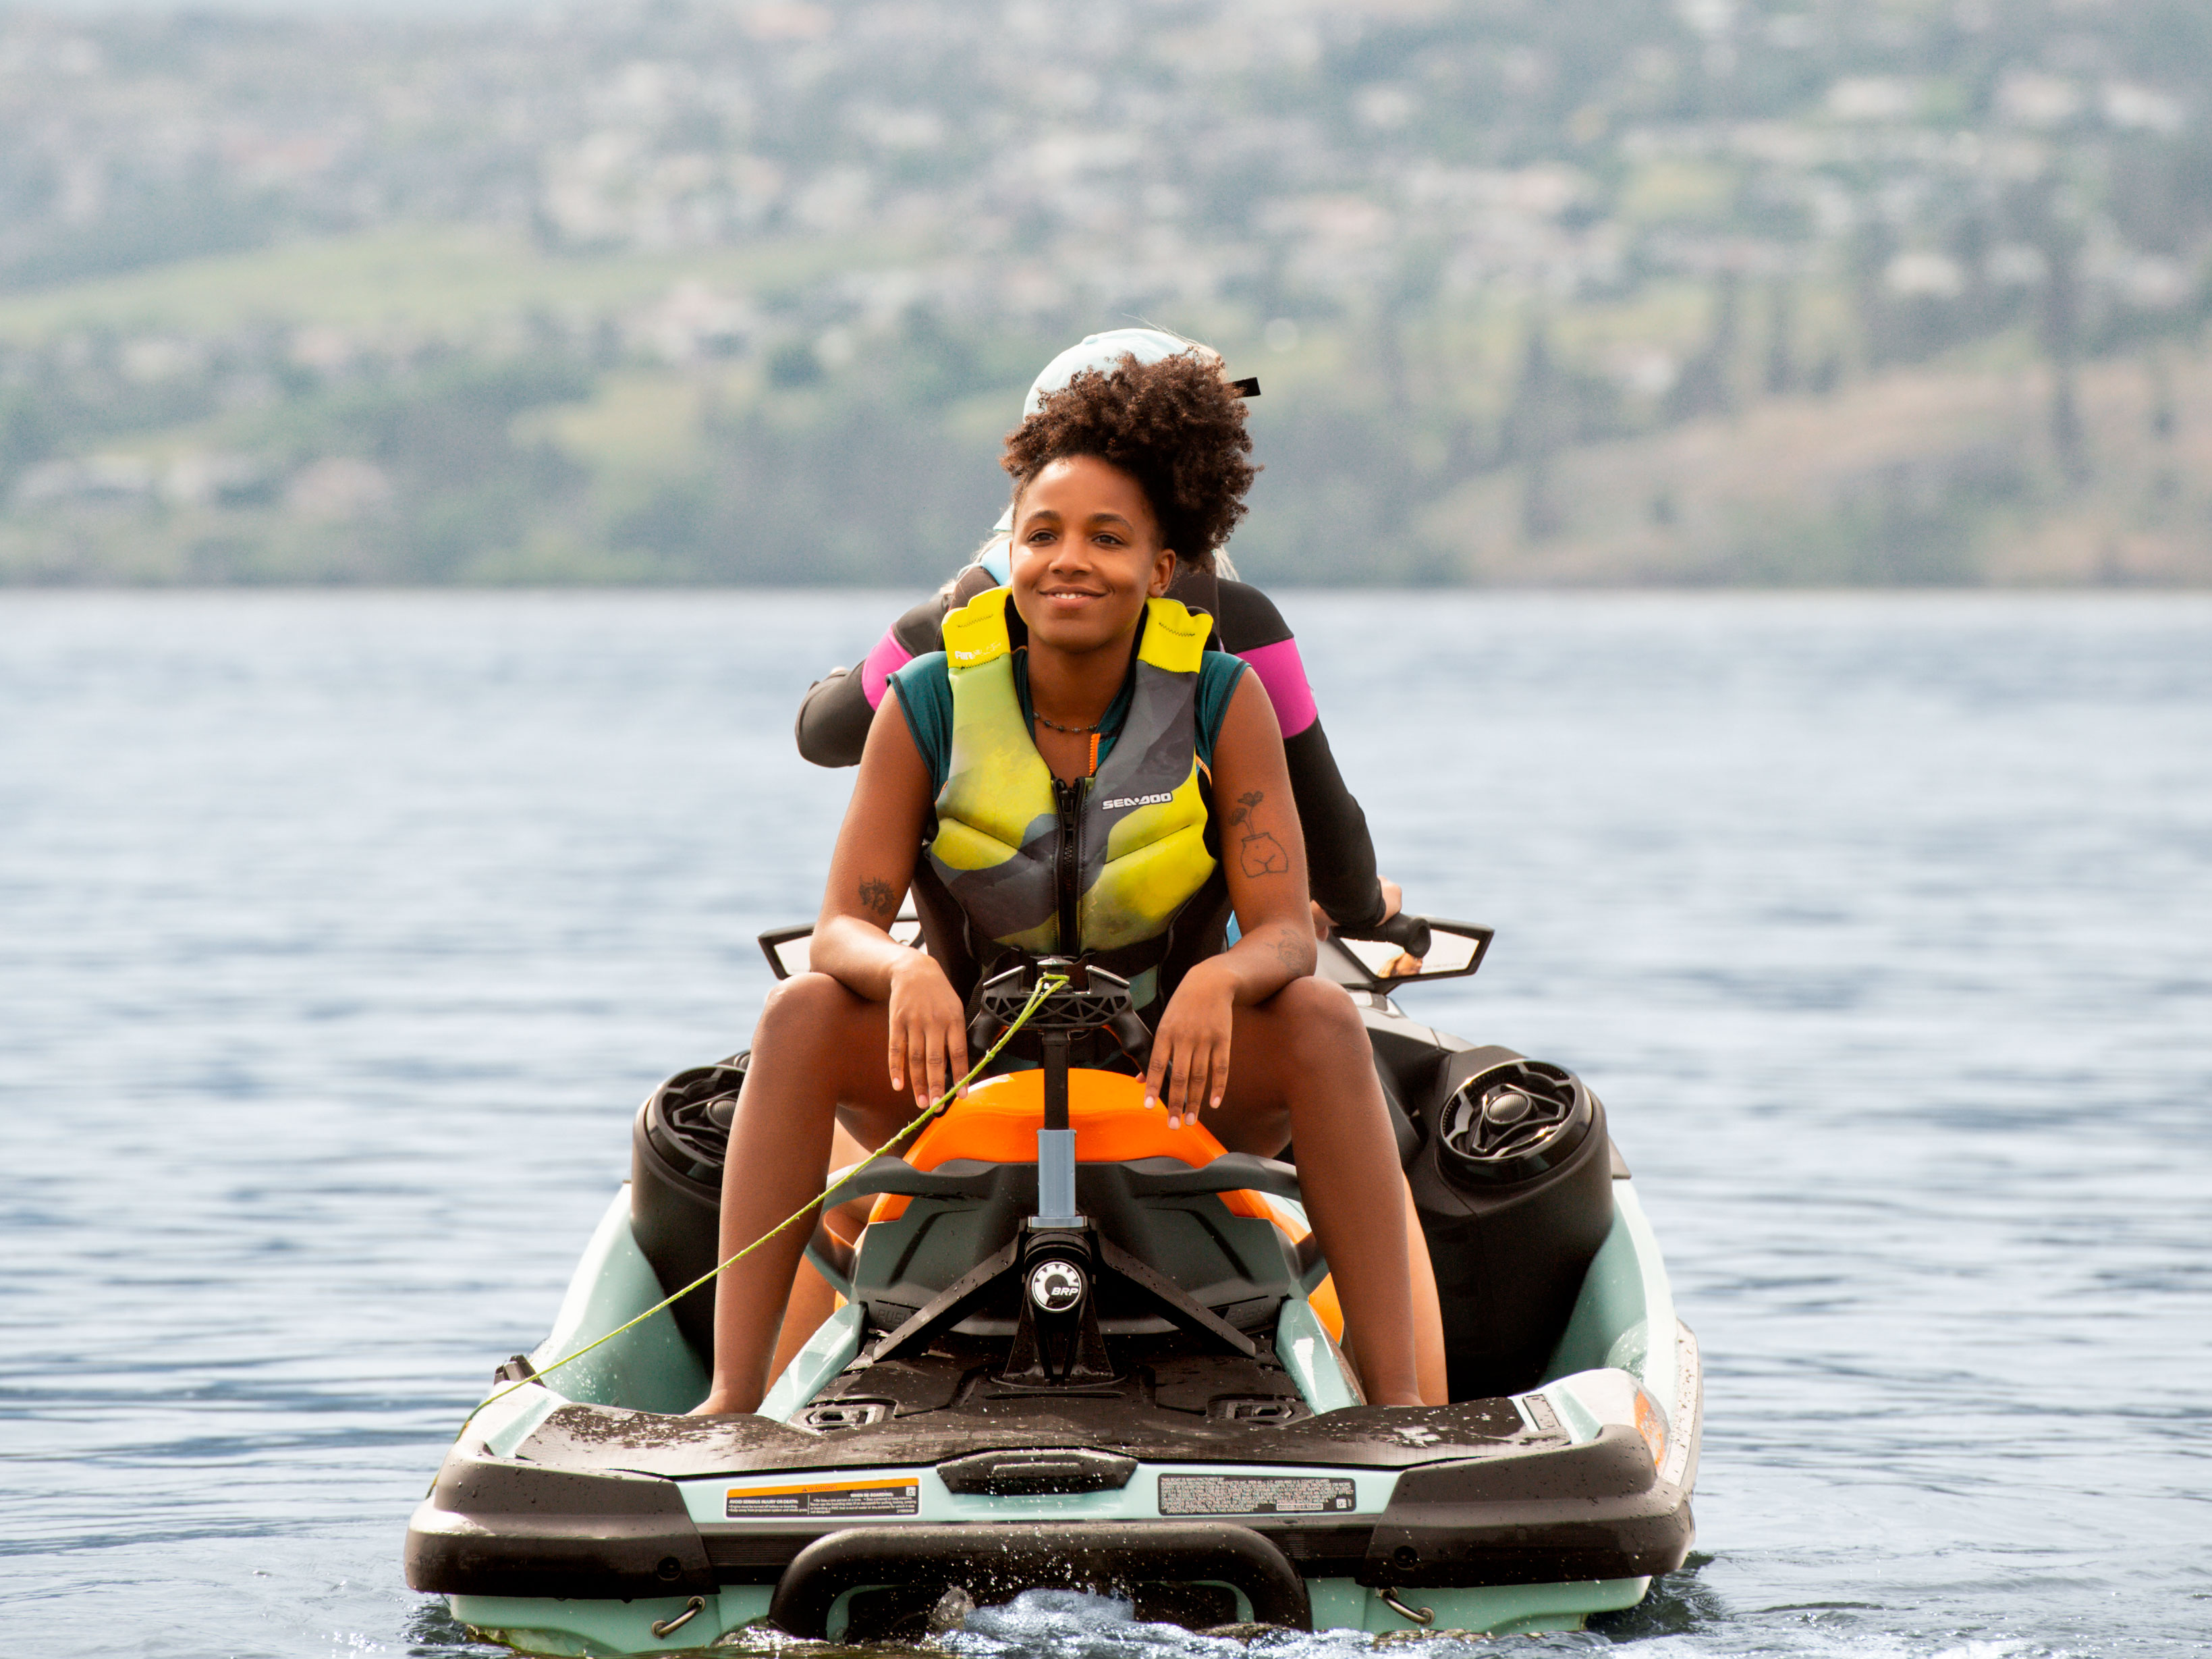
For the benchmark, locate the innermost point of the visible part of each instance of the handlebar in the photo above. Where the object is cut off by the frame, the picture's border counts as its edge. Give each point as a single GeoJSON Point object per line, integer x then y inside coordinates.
{"type": "Point", "coordinates": [1408, 932]}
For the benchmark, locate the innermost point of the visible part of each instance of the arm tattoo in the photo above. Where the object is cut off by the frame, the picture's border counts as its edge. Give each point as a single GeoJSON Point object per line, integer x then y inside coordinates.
{"type": "Point", "coordinates": [1290, 951]}
{"type": "Point", "coordinates": [877, 898]}
{"type": "Point", "coordinates": [1260, 853]}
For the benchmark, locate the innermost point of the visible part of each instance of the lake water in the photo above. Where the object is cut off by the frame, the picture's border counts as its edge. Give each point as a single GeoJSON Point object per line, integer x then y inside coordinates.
{"type": "Point", "coordinates": [340, 935]}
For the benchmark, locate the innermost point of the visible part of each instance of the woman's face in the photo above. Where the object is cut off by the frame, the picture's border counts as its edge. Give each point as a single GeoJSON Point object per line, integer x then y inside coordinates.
{"type": "Point", "coordinates": [1086, 554]}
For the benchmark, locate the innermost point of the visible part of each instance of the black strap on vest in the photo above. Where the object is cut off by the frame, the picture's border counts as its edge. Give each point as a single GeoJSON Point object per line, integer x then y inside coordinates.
{"type": "Point", "coordinates": [1198, 589]}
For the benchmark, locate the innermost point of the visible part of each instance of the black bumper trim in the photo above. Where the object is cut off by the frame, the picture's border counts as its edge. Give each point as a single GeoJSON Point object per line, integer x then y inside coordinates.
{"type": "Point", "coordinates": [501, 1527]}
{"type": "Point", "coordinates": [495, 1528]}
{"type": "Point", "coordinates": [998, 1559]}
{"type": "Point", "coordinates": [1597, 1511]}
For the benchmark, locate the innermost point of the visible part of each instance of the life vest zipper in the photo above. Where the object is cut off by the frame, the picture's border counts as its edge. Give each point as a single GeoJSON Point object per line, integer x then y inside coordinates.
{"type": "Point", "coordinates": [1067, 863]}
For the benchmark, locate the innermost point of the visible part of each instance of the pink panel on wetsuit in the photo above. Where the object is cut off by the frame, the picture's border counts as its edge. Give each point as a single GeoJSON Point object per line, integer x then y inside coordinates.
{"type": "Point", "coordinates": [1282, 673]}
{"type": "Point", "coordinates": [885, 660]}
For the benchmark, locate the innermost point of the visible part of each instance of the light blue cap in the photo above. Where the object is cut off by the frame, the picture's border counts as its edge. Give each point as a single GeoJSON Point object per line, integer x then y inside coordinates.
{"type": "Point", "coordinates": [1104, 353]}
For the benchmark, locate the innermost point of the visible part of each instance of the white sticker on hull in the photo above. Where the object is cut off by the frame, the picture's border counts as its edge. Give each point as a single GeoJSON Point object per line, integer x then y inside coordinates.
{"type": "Point", "coordinates": [777, 1503]}
{"type": "Point", "coordinates": [1237, 1494]}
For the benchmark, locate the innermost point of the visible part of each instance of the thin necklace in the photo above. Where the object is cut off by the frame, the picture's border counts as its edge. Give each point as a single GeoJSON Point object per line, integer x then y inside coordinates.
{"type": "Point", "coordinates": [1090, 731]}
{"type": "Point", "coordinates": [1071, 730]}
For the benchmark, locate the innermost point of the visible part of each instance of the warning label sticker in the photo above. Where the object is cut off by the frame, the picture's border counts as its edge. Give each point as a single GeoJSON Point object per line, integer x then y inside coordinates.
{"type": "Point", "coordinates": [1241, 1494]}
{"type": "Point", "coordinates": [774, 1502]}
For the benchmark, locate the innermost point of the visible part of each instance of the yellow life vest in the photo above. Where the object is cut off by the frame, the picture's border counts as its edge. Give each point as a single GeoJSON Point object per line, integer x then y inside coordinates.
{"type": "Point", "coordinates": [1116, 856]}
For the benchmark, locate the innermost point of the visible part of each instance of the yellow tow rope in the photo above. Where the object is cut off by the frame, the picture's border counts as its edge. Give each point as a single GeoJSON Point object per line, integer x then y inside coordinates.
{"type": "Point", "coordinates": [1045, 986]}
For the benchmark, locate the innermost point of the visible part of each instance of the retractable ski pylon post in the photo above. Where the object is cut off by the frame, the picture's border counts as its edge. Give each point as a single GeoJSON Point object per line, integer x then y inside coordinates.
{"type": "Point", "coordinates": [1056, 1140]}
{"type": "Point", "coordinates": [1058, 1340]}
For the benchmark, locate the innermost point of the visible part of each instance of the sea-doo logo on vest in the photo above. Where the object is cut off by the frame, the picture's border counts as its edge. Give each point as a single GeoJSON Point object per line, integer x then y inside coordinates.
{"type": "Point", "coordinates": [1120, 802]}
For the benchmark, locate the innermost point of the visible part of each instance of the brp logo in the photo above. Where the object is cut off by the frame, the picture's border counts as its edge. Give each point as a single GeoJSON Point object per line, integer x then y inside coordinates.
{"type": "Point", "coordinates": [1056, 1287]}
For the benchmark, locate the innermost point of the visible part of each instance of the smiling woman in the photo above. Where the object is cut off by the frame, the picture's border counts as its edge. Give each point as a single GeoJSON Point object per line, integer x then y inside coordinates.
{"type": "Point", "coordinates": [1046, 786]}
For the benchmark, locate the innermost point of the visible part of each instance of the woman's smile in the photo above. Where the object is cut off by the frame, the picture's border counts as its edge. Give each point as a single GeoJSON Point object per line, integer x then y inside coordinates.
{"type": "Point", "coordinates": [1068, 598]}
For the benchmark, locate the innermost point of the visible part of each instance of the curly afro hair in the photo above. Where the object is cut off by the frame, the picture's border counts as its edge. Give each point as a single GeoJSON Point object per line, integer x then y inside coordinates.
{"type": "Point", "coordinates": [1175, 426]}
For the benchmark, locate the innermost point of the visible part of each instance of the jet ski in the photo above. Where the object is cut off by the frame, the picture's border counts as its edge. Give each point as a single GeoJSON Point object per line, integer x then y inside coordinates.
{"type": "Point", "coordinates": [1073, 1348]}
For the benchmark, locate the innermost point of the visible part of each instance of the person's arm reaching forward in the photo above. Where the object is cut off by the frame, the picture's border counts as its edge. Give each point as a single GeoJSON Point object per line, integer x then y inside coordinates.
{"type": "Point", "coordinates": [1340, 852]}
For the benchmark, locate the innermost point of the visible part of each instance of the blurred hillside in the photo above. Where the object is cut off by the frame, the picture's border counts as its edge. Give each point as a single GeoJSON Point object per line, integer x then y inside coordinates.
{"type": "Point", "coordinates": [1898, 291]}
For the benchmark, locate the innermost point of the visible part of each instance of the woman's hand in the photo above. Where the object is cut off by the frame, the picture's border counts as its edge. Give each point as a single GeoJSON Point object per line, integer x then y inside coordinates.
{"type": "Point", "coordinates": [1393, 899]}
{"type": "Point", "coordinates": [1190, 1051]}
{"type": "Point", "coordinates": [928, 1028]}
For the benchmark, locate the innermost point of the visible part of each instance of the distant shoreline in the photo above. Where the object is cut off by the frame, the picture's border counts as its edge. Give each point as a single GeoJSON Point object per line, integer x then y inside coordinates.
{"type": "Point", "coordinates": [1567, 296]}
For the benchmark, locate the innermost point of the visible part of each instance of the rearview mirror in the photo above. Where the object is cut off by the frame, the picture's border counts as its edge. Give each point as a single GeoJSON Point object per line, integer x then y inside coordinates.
{"type": "Point", "coordinates": [1456, 949]}
{"type": "Point", "coordinates": [789, 950]}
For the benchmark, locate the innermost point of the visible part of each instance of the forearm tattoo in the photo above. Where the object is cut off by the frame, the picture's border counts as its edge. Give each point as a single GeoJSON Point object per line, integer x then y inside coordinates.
{"type": "Point", "coordinates": [877, 898]}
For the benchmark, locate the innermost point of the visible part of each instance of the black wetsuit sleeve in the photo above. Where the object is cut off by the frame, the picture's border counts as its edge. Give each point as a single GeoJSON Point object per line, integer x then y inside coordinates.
{"type": "Point", "coordinates": [835, 715]}
{"type": "Point", "coordinates": [834, 718]}
{"type": "Point", "coordinates": [1339, 851]}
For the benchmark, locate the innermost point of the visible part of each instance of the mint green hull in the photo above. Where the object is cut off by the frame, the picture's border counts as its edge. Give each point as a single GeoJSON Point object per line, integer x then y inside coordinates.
{"type": "Point", "coordinates": [598, 1629]}
{"type": "Point", "coordinates": [1608, 1353]}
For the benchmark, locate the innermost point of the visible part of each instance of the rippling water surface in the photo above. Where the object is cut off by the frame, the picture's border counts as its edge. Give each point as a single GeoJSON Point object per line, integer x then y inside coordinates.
{"type": "Point", "coordinates": [339, 935]}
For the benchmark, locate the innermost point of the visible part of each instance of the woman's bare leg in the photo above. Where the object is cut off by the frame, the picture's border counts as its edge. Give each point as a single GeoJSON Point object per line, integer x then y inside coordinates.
{"type": "Point", "coordinates": [818, 1049]}
{"type": "Point", "coordinates": [1300, 1069]}
{"type": "Point", "coordinates": [1428, 1312]}
{"type": "Point", "coordinates": [1429, 1366]}
{"type": "Point", "coordinates": [813, 1299]}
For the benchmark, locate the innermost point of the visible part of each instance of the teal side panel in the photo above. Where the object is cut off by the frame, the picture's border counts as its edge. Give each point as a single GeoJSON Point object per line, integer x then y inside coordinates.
{"type": "Point", "coordinates": [650, 1369]}
{"type": "Point", "coordinates": [1338, 1603]}
{"type": "Point", "coordinates": [576, 1630]}
{"type": "Point", "coordinates": [1489, 1610]}
{"type": "Point", "coordinates": [743, 1603]}
{"type": "Point", "coordinates": [828, 1352]}
{"type": "Point", "coordinates": [1302, 1343]}
{"type": "Point", "coordinates": [1611, 1304]}
{"type": "Point", "coordinates": [1649, 1350]}
{"type": "Point", "coordinates": [1625, 1298]}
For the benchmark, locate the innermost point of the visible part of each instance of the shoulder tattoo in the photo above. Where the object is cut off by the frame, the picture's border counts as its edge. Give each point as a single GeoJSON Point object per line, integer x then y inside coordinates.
{"type": "Point", "coordinates": [1258, 851]}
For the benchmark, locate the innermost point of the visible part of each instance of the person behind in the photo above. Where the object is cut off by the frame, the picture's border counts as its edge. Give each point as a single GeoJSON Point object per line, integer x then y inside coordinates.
{"type": "Point", "coordinates": [835, 717]}
{"type": "Point", "coordinates": [1079, 684]}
